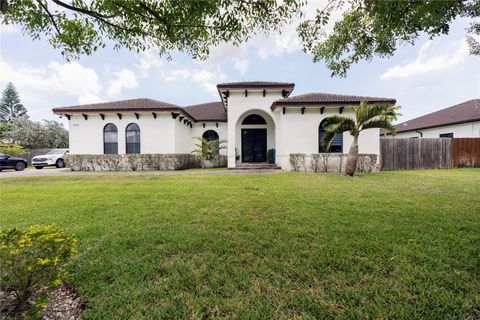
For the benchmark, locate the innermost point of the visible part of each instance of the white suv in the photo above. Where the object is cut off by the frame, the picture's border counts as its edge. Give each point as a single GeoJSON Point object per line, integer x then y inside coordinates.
{"type": "Point", "coordinates": [52, 158]}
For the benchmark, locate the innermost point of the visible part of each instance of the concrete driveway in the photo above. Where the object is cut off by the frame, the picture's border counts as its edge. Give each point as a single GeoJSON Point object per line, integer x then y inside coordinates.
{"type": "Point", "coordinates": [53, 172]}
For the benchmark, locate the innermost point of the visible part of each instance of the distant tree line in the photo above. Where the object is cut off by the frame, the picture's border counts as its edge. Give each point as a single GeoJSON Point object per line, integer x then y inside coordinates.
{"type": "Point", "coordinates": [17, 129]}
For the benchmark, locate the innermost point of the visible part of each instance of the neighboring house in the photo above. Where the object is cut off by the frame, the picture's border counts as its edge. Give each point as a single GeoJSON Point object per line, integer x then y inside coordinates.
{"type": "Point", "coordinates": [252, 116]}
{"type": "Point", "coordinates": [460, 121]}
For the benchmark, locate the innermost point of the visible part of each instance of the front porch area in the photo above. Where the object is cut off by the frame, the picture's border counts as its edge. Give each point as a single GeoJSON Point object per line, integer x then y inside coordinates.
{"type": "Point", "coordinates": [254, 141]}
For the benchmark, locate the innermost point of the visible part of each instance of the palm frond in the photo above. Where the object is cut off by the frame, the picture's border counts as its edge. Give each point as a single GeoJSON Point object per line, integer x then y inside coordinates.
{"type": "Point", "coordinates": [381, 123]}
{"type": "Point", "coordinates": [338, 124]}
{"type": "Point", "coordinates": [368, 112]}
{"type": "Point", "coordinates": [327, 139]}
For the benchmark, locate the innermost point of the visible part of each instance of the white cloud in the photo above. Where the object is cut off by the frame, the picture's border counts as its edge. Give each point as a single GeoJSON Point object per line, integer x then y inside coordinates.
{"type": "Point", "coordinates": [148, 60]}
{"type": "Point", "coordinates": [278, 44]}
{"type": "Point", "coordinates": [89, 98]}
{"type": "Point", "coordinates": [42, 88]}
{"type": "Point", "coordinates": [425, 63]}
{"type": "Point", "coordinates": [125, 79]}
{"type": "Point", "coordinates": [69, 78]}
{"type": "Point", "coordinates": [241, 65]}
{"type": "Point", "coordinates": [288, 41]}
{"type": "Point", "coordinates": [207, 79]}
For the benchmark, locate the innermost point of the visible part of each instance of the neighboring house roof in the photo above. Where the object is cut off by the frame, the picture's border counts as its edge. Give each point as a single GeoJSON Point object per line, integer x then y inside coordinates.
{"type": "Point", "coordinates": [211, 111]}
{"type": "Point", "coordinates": [319, 98]}
{"type": "Point", "coordinates": [256, 85]}
{"type": "Point", "coordinates": [467, 111]}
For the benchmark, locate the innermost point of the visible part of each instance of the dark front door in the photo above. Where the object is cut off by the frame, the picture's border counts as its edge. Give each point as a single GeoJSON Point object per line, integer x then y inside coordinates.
{"type": "Point", "coordinates": [254, 145]}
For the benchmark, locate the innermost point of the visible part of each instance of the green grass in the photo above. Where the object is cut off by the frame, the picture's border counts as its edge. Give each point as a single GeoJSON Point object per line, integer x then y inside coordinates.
{"type": "Point", "coordinates": [392, 245]}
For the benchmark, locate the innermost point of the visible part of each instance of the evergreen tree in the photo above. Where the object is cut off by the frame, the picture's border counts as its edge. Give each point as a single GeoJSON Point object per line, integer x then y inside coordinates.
{"type": "Point", "coordinates": [10, 105]}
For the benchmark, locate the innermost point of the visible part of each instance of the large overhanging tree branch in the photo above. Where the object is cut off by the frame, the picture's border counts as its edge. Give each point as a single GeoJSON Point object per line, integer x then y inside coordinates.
{"type": "Point", "coordinates": [369, 28]}
{"type": "Point", "coordinates": [79, 27]}
{"type": "Point", "coordinates": [366, 28]}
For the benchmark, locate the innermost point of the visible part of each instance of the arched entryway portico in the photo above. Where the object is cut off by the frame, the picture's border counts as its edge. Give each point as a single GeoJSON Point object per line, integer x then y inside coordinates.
{"type": "Point", "coordinates": [255, 132]}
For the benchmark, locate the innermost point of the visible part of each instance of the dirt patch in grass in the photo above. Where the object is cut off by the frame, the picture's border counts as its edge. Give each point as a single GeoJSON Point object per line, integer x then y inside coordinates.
{"type": "Point", "coordinates": [64, 303]}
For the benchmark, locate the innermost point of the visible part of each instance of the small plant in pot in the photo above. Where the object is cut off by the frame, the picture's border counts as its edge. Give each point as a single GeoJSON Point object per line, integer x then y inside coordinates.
{"type": "Point", "coordinates": [208, 150]}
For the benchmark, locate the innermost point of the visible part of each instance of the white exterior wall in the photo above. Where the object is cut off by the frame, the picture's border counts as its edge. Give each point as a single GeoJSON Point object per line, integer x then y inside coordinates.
{"type": "Point", "coordinates": [156, 135]}
{"type": "Point", "coordinates": [182, 137]}
{"type": "Point", "coordinates": [198, 130]}
{"type": "Point", "coordinates": [464, 130]}
{"type": "Point", "coordinates": [298, 133]}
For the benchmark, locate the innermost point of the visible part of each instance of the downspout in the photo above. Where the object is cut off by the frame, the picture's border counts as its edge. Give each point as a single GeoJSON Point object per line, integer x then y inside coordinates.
{"type": "Point", "coordinates": [419, 132]}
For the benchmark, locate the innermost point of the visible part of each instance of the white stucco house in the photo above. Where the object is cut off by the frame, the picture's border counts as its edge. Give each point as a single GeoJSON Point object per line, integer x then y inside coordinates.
{"type": "Point", "coordinates": [459, 121]}
{"type": "Point", "coordinates": [252, 116]}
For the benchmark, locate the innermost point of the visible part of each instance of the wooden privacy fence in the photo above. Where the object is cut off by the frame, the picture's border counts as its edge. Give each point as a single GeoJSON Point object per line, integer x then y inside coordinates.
{"type": "Point", "coordinates": [466, 152]}
{"type": "Point", "coordinates": [420, 153]}
{"type": "Point", "coordinates": [429, 153]}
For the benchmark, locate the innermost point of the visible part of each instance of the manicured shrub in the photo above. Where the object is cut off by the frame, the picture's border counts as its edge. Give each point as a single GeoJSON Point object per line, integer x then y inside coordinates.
{"type": "Point", "coordinates": [330, 162]}
{"type": "Point", "coordinates": [298, 161]}
{"type": "Point", "coordinates": [13, 149]}
{"type": "Point", "coordinates": [115, 162]}
{"type": "Point", "coordinates": [32, 260]}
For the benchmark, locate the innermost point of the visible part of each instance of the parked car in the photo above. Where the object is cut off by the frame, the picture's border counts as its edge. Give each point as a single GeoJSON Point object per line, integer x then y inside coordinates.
{"type": "Point", "coordinates": [54, 157]}
{"type": "Point", "coordinates": [12, 162]}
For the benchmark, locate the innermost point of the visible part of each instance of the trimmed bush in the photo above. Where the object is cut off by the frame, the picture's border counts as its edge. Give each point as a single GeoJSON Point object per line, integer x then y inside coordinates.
{"type": "Point", "coordinates": [13, 149]}
{"type": "Point", "coordinates": [115, 162]}
{"type": "Point", "coordinates": [32, 260]}
{"type": "Point", "coordinates": [330, 162]}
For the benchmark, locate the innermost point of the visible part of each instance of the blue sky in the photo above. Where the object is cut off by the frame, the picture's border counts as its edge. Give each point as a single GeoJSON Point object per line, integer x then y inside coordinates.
{"type": "Point", "coordinates": [428, 76]}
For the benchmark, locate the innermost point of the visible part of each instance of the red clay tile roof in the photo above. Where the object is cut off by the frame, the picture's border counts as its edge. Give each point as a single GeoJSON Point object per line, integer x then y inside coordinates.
{"type": "Point", "coordinates": [121, 105]}
{"type": "Point", "coordinates": [256, 85]}
{"type": "Point", "coordinates": [327, 99]}
{"type": "Point", "coordinates": [467, 111]}
{"type": "Point", "coordinates": [130, 105]}
{"type": "Point", "coordinates": [211, 111]}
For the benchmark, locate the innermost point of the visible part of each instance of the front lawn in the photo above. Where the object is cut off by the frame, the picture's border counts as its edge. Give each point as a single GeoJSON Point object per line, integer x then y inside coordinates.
{"type": "Point", "coordinates": [387, 245]}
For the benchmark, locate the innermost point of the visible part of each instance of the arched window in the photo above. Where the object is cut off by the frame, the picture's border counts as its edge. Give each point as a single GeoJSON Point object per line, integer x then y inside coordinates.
{"type": "Point", "coordinates": [211, 135]}
{"type": "Point", "coordinates": [337, 142]}
{"type": "Point", "coordinates": [110, 139]}
{"type": "Point", "coordinates": [254, 119]}
{"type": "Point", "coordinates": [133, 138]}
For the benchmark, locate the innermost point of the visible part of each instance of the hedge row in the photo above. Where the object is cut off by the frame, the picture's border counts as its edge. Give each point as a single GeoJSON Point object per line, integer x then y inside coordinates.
{"type": "Point", "coordinates": [115, 162]}
{"type": "Point", "coordinates": [330, 162]}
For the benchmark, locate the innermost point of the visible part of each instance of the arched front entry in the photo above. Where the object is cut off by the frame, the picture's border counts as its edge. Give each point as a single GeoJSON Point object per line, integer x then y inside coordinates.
{"type": "Point", "coordinates": [256, 131]}
{"type": "Point", "coordinates": [254, 140]}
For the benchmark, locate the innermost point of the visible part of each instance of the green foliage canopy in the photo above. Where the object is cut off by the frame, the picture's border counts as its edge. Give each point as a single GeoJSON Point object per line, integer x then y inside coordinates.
{"type": "Point", "coordinates": [81, 26]}
{"type": "Point", "coordinates": [37, 135]}
{"type": "Point", "coordinates": [366, 28]}
{"type": "Point", "coordinates": [378, 27]}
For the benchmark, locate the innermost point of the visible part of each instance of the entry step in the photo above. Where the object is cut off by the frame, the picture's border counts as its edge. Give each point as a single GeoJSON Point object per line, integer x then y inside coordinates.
{"type": "Point", "coordinates": [255, 166]}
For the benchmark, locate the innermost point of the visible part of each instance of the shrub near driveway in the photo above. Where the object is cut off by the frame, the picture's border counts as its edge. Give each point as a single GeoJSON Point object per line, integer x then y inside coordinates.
{"type": "Point", "coordinates": [397, 245]}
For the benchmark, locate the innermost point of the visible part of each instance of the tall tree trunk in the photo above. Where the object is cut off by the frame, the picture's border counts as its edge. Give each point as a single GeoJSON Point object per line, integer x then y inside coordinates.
{"type": "Point", "coordinates": [352, 158]}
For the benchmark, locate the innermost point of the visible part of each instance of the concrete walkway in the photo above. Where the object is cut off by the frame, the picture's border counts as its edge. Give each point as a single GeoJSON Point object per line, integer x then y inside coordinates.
{"type": "Point", "coordinates": [54, 172]}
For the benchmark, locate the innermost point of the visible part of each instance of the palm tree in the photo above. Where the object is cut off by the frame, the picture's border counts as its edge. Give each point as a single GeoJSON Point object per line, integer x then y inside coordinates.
{"type": "Point", "coordinates": [366, 117]}
{"type": "Point", "coordinates": [208, 149]}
